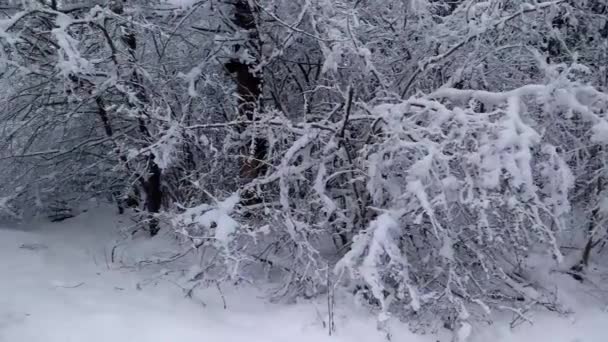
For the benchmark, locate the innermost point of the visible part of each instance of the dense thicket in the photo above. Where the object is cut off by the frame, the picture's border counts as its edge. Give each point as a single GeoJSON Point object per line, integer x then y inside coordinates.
{"type": "Point", "coordinates": [423, 154]}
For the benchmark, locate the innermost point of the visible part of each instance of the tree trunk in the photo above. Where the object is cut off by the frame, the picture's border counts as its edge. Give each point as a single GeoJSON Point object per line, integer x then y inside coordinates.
{"type": "Point", "coordinates": [152, 182]}
{"type": "Point", "coordinates": [593, 222]}
{"type": "Point", "coordinates": [249, 87]}
{"type": "Point", "coordinates": [154, 194]}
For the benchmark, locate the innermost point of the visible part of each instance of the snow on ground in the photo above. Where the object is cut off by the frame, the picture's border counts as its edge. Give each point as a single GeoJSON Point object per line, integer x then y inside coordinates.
{"type": "Point", "coordinates": [58, 285]}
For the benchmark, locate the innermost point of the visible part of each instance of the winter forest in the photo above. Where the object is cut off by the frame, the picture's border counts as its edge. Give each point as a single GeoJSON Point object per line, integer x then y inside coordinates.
{"type": "Point", "coordinates": [437, 163]}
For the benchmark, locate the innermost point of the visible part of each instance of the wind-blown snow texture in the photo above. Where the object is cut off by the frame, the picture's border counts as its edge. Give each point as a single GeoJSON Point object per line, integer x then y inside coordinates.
{"type": "Point", "coordinates": [57, 284]}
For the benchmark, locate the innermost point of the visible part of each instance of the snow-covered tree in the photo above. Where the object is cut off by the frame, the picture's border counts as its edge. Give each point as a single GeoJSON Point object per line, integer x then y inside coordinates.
{"type": "Point", "coordinates": [417, 153]}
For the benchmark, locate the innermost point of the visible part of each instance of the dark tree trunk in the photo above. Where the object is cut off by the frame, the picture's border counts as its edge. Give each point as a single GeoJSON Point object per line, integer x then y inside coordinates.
{"type": "Point", "coordinates": [249, 86]}
{"type": "Point", "coordinates": [595, 219]}
{"type": "Point", "coordinates": [152, 182]}
{"type": "Point", "coordinates": [154, 195]}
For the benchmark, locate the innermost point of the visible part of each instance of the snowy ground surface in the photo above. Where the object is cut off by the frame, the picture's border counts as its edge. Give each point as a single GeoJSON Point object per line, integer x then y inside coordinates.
{"type": "Point", "coordinates": [57, 285]}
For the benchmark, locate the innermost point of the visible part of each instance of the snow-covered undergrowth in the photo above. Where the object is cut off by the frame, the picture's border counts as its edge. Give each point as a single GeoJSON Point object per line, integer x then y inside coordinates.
{"type": "Point", "coordinates": [59, 283]}
{"type": "Point", "coordinates": [416, 154]}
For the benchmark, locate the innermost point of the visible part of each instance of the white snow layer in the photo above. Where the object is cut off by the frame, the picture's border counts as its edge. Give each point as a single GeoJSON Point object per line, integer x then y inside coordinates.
{"type": "Point", "coordinates": [57, 284]}
{"type": "Point", "coordinates": [182, 3]}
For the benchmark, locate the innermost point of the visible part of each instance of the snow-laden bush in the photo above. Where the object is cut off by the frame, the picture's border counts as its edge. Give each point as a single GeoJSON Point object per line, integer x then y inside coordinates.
{"type": "Point", "coordinates": [427, 207]}
{"type": "Point", "coordinates": [414, 153]}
